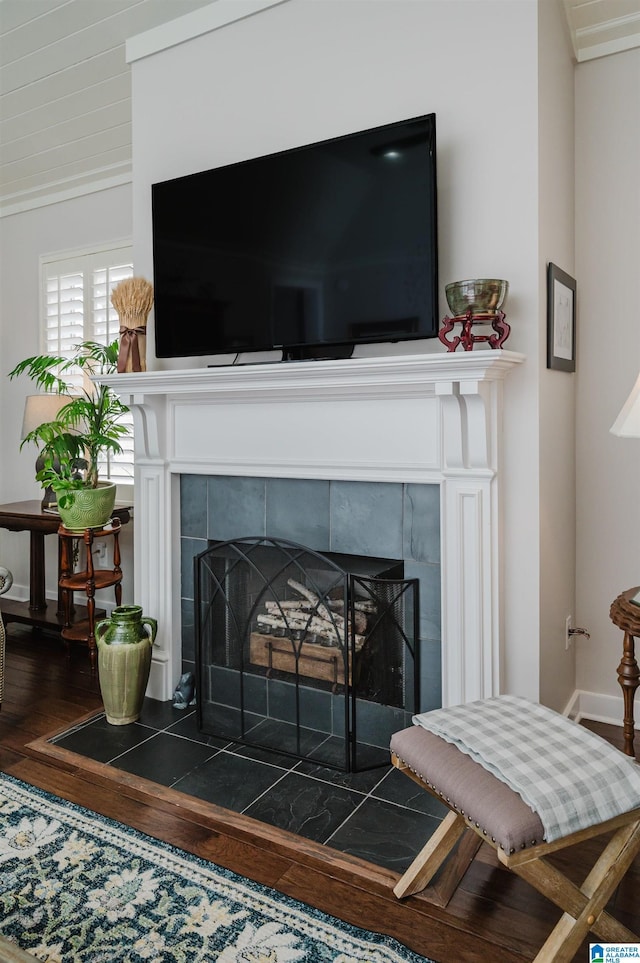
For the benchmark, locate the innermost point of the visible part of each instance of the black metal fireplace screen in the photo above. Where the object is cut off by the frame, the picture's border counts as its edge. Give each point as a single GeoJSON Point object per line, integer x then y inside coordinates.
{"type": "Point", "coordinates": [306, 654]}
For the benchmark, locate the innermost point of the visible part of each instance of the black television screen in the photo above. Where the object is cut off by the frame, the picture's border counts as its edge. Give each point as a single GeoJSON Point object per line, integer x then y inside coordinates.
{"type": "Point", "coordinates": [327, 245]}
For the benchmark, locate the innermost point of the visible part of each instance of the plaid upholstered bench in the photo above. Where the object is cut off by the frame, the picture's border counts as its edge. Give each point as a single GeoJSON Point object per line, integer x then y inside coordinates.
{"type": "Point", "coordinates": [528, 782]}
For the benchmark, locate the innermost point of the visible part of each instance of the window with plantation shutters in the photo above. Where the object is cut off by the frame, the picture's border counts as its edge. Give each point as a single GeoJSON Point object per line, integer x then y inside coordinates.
{"type": "Point", "coordinates": [76, 297]}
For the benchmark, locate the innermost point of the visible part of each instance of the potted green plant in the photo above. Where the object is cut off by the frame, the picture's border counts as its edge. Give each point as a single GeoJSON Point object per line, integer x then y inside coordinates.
{"type": "Point", "coordinates": [85, 428]}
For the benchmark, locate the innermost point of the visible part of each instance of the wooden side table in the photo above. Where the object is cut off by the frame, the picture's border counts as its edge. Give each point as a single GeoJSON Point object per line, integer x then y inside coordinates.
{"type": "Point", "coordinates": [626, 615]}
{"type": "Point", "coordinates": [88, 580]}
{"type": "Point", "coordinates": [28, 516]}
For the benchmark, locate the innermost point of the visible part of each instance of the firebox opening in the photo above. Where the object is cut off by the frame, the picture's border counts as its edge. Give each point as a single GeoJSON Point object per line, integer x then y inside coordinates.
{"type": "Point", "coordinates": [307, 654]}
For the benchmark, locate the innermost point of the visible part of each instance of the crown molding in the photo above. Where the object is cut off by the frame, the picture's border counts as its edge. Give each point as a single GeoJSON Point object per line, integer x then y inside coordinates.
{"type": "Point", "coordinates": [195, 24]}
{"type": "Point", "coordinates": [101, 180]}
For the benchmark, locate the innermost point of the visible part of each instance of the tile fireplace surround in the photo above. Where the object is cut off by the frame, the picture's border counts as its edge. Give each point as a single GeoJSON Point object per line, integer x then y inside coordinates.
{"type": "Point", "coordinates": [428, 418]}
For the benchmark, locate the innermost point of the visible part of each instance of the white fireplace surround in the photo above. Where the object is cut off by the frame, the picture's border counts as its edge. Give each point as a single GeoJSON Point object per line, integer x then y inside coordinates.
{"type": "Point", "coordinates": [430, 418]}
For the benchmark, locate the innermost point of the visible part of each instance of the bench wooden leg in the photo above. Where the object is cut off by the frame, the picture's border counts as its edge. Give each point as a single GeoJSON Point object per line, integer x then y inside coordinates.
{"type": "Point", "coordinates": [584, 906]}
{"type": "Point", "coordinates": [432, 856]}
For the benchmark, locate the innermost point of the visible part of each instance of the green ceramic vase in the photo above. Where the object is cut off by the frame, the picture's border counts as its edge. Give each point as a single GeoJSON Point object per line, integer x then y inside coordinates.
{"type": "Point", "coordinates": [124, 643]}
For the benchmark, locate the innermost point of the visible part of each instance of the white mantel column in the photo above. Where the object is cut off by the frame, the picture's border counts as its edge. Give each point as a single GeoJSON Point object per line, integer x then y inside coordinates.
{"type": "Point", "coordinates": [472, 642]}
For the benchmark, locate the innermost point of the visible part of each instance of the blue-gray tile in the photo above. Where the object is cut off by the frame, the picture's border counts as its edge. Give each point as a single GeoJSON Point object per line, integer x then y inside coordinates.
{"type": "Point", "coordinates": [332, 753]}
{"type": "Point", "coordinates": [193, 505]}
{"type": "Point", "coordinates": [282, 700]}
{"type": "Point", "coordinates": [339, 713]}
{"type": "Point", "coordinates": [187, 726]}
{"type": "Point", "coordinates": [254, 693]}
{"type": "Point", "coordinates": [430, 675]}
{"type": "Point", "coordinates": [384, 834]}
{"type": "Point", "coordinates": [366, 518]}
{"type": "Point", "coordinates": [189, 548]}
{"type": "Point", "coordinates": [188, 629]}
{"type": "Point", "coordinates": [102, 741]}
{"type": "Point", "coordinates": [222, 722]}
{"type": "Point", "coordinates": [363, 782]}
{"type": "Point", "coordinates": [422, 523]}
{"type": "Point", "coordinates": [227, 780]}
{"type": "Point", "coordinates": [160, 715]}
{"type": "Point", "coordinates": [298, 510]}
{"type": "Point", "coordinates": [261, 754]}
{"type": "Point", "coordinates": [376, 723]}
{"type": "Point", "coordinates": [283, 737]}
{"type": "Point", "coordinates": [314, 705]}
{"type": "Point", "coordinates": [398, 788]}
{"type": "Point", "coordinates": [308, 807]}
{"type": "Point", "coordinates": [315, 709]}
{"type": "Point", "coordinates": [223, 686]}
{"type": "Point", "coordinates": [165, 759]}
{"type": "Point", "coordinates": [430, 596]}
{"type": "Point", "coordinates": [236, 507]}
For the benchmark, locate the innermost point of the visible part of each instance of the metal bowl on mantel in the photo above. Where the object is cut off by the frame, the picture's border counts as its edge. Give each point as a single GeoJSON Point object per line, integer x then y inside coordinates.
{"type": "Point", "coordinates": [480, 296]}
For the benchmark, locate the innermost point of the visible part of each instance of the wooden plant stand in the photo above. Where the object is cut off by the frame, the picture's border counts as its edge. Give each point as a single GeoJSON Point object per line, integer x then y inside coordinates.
{"type": "Point", "coordinates": [88, 580]}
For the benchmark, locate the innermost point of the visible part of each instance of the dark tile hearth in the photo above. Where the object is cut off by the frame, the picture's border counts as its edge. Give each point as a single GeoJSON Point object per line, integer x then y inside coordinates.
{"type": "Point", "coordinates": [374, 815]}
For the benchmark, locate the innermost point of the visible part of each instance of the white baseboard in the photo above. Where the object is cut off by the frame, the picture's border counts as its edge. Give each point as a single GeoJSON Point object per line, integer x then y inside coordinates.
{"type": "Point", "coordinates": [595, 706]}
{"type": "Point", "coordinates": [18, 593]}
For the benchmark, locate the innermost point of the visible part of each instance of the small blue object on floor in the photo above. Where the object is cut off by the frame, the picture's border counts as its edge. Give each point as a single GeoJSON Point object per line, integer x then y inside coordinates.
{"type": "Point", "coordinates": [184, 694]}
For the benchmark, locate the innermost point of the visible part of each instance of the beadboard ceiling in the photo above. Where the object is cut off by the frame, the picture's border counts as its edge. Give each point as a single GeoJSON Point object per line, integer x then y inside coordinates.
{"type": "Point", "coordinates": [65, 93]}
{"type": "Point", "coordinates": [65, 86]}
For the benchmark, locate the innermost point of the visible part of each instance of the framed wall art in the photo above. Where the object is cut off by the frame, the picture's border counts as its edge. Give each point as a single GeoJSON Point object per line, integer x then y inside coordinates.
{"type": "Point", "coordinates": [561, 320]}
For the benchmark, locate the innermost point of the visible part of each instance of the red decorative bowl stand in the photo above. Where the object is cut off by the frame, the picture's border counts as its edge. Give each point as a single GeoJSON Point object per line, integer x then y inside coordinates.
{"type": "Point", "coordinates": [467, 337]}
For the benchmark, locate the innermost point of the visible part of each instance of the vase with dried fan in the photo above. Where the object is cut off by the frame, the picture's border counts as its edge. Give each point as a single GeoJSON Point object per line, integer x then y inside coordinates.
{"type": "Point", "coordinates": [132, 299]}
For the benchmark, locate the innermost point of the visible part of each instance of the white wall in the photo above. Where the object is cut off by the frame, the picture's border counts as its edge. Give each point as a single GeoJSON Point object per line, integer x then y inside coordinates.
{"type": "Point", "coordinates": [302, 71]}
{"type": "Point", "coordinates": [557, 396]}
{"type": "Point", "coordinates": [67, 225]}
{"type": "Point", "coordinates": [608, 261]}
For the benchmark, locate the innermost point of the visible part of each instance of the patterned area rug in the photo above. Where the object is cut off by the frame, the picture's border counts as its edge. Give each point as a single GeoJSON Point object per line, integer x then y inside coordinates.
{"type": "Point", "coordinates": [75, 886]}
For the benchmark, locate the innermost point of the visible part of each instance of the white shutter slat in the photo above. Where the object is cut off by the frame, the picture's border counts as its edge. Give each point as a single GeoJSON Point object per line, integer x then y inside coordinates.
{"type": "Point", "coordinates": [76, 299]}
{"type": "Point", "coordinates": [105, 318]}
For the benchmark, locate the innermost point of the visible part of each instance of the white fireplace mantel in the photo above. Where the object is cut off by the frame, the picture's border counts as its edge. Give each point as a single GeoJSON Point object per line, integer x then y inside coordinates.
{"type": "Point", "coordinates": [431, 418]}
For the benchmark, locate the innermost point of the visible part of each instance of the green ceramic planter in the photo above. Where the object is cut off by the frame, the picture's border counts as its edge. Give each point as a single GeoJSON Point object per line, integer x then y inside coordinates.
{"type": "Point", "coordinates": [87, 507]}
{"type": "Point", "coordinates": [124, 644]}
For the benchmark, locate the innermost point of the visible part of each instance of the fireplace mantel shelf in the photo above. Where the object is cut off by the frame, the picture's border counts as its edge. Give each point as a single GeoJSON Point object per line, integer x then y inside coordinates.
{"type": "Point", "coordinates": [398, 376]}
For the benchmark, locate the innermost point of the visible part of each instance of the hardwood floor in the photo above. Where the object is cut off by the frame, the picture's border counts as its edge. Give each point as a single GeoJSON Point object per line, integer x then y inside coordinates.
{"type": "Point", "coordinates": [493, 915]}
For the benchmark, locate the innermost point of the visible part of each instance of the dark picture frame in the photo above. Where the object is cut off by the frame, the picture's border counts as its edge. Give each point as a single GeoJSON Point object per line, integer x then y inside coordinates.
{"type": "Point", "coordinates": [561, 319]}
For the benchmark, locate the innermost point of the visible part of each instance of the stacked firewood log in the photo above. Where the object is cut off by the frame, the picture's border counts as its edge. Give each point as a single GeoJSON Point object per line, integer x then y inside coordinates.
{"type": "Point", "coordinates": [321, 617]}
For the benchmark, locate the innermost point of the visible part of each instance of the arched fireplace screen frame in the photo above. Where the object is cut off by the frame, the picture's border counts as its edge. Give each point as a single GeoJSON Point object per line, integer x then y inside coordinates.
{"type": "Point", "coordinates": [312, 655]}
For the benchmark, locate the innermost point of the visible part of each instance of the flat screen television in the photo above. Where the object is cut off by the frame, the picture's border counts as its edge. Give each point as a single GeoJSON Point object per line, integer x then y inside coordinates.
{"type": "Point", "coordinates": [311, 250]}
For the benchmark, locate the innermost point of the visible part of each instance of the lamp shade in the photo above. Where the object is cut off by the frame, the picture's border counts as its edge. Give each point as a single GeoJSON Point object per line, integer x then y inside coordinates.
{"type": "Point", "coordinates": [39, 409]}
{"type": "Point", "coordinates": [627, 424]}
